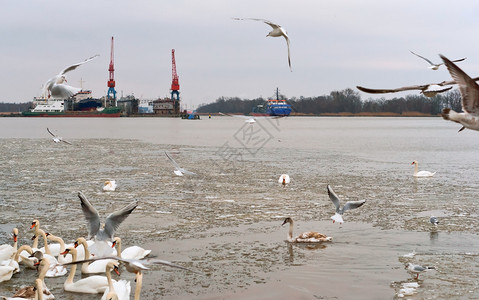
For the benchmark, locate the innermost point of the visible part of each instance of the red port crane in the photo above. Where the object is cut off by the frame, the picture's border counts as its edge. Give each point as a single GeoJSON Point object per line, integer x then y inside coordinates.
{"type": "Point", "coordinates": [175, 84]}
{"type": "Point", "coordinates": [111, 82]}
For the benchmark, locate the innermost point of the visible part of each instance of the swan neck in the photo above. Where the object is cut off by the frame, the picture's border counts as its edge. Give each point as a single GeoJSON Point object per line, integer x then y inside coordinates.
{"type": "Point", "coordinates": [45, 242]}
{"type": "Point", "coordinates": [416, 168]}
{"type": "Point", "coordinates": [73, 269]}
{"type": "Point", "coordinates": [59, 240]}
{"type": "Point", "coordinates": [118, 247]}
{"type": "Point", "coordinates": [22, 248]}
{"type": "Point", "coordinates": [290, 233]}
{"type": "Point", "coordinates": [138, 278]}
{"type": "Point", "coordinates": [108, 277]}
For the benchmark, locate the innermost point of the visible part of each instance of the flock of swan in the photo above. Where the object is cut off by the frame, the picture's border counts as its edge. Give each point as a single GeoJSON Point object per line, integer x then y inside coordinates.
{"type": "Point", "coordinates": [98, 255]}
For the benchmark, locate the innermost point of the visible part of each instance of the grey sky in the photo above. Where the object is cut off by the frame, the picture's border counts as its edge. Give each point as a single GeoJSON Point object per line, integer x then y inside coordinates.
{"type": "Point", "coordinates": [334, 45]}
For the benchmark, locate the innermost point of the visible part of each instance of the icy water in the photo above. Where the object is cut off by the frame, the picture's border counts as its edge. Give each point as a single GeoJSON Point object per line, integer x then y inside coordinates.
{"type": "Point", "coordinates": [226, 222]}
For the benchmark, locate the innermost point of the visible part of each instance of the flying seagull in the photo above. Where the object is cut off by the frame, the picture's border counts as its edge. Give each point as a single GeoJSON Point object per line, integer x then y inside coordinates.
{"type": "Point", "coordinates": [179, 170]}
{"type": "Point", "coordinates": [469, 90]}
{"type": "Point", "coordinates": [55, 87]}
{"type": "Point", "coordinates": [57, 138]}
{"type": "Point", "coordinates": [112, 222]}
{"type": "Point", "coordinates": [276, 32]}
{"type": "Point", "coordinates": [251, 119]}
{"type": "Point", "coordinates": [417, 269]}
{"type": "Point", "coordinates": [433, 65]}
{"type": "Point", "coordinates": [338, 216]}
{"type": "Point", "coordinates": [428, 90]}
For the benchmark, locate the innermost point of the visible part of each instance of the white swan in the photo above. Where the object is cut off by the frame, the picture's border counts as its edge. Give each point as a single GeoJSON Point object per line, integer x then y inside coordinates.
{"type": "Point", "coordinates": [421, 173]}
{"type": "Point", "coordinates": [90, 285]}
{"type": "Point", "coordinates": [95, 267]}
{"type": "Point", "coordinates": [305, 237]}
{"type": "Point", "coordinates": [284, 179]}
{"type": "Point", "coordinates": [61, 247]}
{"type": "Point", "coordinates": [109, 186]}
{"type": "Point", "coordinates": [23, 257]}
{"type": "Point", "coordinates": [132, 252]}
{"type": "Point", "coordinates": [121, 288]}
{"type": "Point", "coordinates": [8, 251]}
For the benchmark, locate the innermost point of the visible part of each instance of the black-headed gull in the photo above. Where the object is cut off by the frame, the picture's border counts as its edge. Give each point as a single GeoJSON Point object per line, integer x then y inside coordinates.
{"type": "Point", "coordinates": [178, 170]}
{"type": "Point", "coordinates": [469, 89]}
{"type": "Point", "coordinates": [57, 139]}
{"type": "Point", "coordinates": [338, 216]}
{"type": "Point", "coordinates": [417, 269]}
{"type": "Point", "coordinates": [434, 66]}
{"type": "Point", "coordinates": [434, 221]}
{"type": "Point", "coordinates": [276, 32]}
{"type": "Point", "coordinates": [112, 222]}
{"type": "Point", "coordinates": [54, 86]}
{"type": "Point", "coordinates": [428, 90]}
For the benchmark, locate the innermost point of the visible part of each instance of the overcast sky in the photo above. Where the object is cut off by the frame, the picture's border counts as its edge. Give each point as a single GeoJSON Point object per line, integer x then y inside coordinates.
{"type": "Point", "coordinates": [334, 45]}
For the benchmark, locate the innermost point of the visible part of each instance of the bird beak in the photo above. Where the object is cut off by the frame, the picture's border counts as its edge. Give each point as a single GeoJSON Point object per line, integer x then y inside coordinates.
{"type": "Point", "coordinates": [116, 271]}
{"type": "Point", "coordinates": [113, 244]}
{"type": "Point", "coordinates": [33, 225]}
{"type": "Point", "coordinates": [15, 238]}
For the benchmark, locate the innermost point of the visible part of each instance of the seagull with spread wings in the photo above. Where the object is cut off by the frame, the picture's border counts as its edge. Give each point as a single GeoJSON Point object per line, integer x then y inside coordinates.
{"type": "Point", "coordinates": [112, 222]}
{"type": "Point", "coordinates": [338, 216]}
{"type": "Point", "coordinates": [276, 32]}
{"type": "Point", "coordinates": [469, 90]}
{"type": "Point", "coordinates": [55, 87]}
{"type": "Point", "coordinates": [58, 139]}
{"type": "Point", "coordinates": [178, 170]}
{"type": "Point", "coordinates": [433, 65]}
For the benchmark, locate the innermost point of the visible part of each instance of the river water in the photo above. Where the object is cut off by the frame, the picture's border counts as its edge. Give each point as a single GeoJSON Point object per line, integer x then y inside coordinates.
{"type": "Point", "coordinates": [226, 222]}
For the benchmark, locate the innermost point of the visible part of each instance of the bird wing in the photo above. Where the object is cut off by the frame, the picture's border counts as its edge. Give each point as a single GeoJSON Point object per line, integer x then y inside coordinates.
{"type": "Point", "coordinates": [173, 161]}
{"type": "Point", "coordinates": [114, 220]}
{"type": "Point", "coordinates": [66, 142]}
{"type": "Point", "coordinates": [353, 204]}
{"type": "Point", "coordinates": [74, 66]}
{"type": "Point", "coordinates": [467, 86]}
{"type": "Point", "coordinates": [287, 43]}
{"type": "Point", "coordinates": [261, 20]}
{"type": "Point", "coordinates": [383, 91]}
{"type": "Point", "coordinates": [91, 215]}
{"type": "Point", "coordinates": [50, 132]}
{"type": "Point", "coordinates": [63, 91]}
{"type": "Point", "coordinates": [333, 197]}
{"type": "Point", "coordinates": [458, 59]}
{"type": "Point", "coordinates": [430, 62]}
{"type": "Point", "coordinates": [187, 172]}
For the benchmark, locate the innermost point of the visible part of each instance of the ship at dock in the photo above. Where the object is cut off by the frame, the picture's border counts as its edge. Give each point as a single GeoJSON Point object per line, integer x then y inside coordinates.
{"type": "Point", "coordinates": [79, 105]}
{"type": "Point", "coordinates": [273, 107]}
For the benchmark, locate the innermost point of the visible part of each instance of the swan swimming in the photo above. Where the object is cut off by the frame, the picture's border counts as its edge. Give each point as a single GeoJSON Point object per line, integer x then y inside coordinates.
{"type": "Point", "coordinates": [109, 186]}
{"type": "Point", "coordinates": [418, 173]}
{"type": "Point", "coordinates": [284, 179]}
{"type": "Point", "coordinates": [305, 237]}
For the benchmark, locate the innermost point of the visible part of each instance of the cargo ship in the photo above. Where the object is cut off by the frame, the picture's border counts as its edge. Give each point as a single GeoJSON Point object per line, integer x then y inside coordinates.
{"type": "Point", "coordinates": [273, 107]}
{"type": "Point", "coordinates": [80, 105]}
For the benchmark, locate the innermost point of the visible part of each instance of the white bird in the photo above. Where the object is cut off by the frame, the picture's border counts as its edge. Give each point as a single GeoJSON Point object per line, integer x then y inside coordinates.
{"type": "Point", "coordinates": [178, 170]}
{"type": "Point", "coordinates": [120, 288]}
{"type": "Point", "coordinates": [434, 221]}
{"type": "Point", "coordinates": [418, 173]}
{"type": "Point", "coordinates": [112, 222]}
{"type": "Point", "coordinates": [251, 119]}
{"type": "Point", "coordinates": [305, 237]}
{"type": "Point", "coordinates": [39, 291]}
{"type": "Point", "coordinates": [57, 89]}
{"type": "Point", "coordinates": [109, 186]}
{"type": "Point", "coordinates": [58, 139]}
{"type": "Point", "coordinates": [428, 90]}
{"type": "Point", "coordinates": [434, 66]}
{"type": "Point", "coordinates": [132, 252]}
{"type": "Point", "coordinates": [93, 267]}
{"type": "Point", "coordinates": [276, 32]}
{"type": "Point", "coordinates": [417, 269]}
{"type": "Point", "coordinates": [8, 251]}
{"type": "Point", "coordinates": [94, 284]}
{"type": "Point", "coordinates": [338, 216]}
{"type": "Point", "coordinates": [469, 89]}
{"type": "Point", "coordinates": [284, 179]}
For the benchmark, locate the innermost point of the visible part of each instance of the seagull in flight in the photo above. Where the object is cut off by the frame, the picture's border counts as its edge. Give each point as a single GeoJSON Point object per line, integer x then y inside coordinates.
{"type": "Point", "coordinates": [276, 32]}
{"type": "Point", "coordinates": [428, 90]}
{"type": "Point", "coordinates": [433, 65]}
{"type": "Point", "coordinates": [178, 170]}
{"type": "Point", "coordinates": [112, 222]}
{"type": "Point", "coordinates": [338, 216]}
{"type": "Point", "coordinates": [54, 87]}
{"type": "Point", "coordinates": [250, 119]}
{"type": "Point", "coordinates": [58, 139]}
